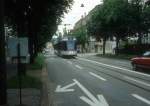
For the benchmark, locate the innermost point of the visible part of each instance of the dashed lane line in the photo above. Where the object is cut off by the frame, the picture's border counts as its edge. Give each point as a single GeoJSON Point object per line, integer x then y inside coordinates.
{"type": "Point", "coordinates": [138, 81]}
{"type": "Point", "coordinates": [115, 67]}
{"type": "Point", "coordinates": [97, 76]}
{"type": "Point", "coordinates": [141, 99]}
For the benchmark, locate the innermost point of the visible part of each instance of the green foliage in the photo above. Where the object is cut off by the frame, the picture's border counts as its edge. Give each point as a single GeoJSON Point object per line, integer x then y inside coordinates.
{"type": "Point", "coordinates": [98, 24]}
{"type": "Point", "coordinates": [116, 14]}
{"type": "Point", "coordinates": [27, 82]}
{"type": "Point", "coordinates": [81, 35]}
{"type": "Point", "coordinates": [146, 16]}
{"type": "Point", "coordinates": [36, 19]}
{"type": "Point", "coordinates": [38, 63]}
{"type": "Point", "coordinates": [119, 18]}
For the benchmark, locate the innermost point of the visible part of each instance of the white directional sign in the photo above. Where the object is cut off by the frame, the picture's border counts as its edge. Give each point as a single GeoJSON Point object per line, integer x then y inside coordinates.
{"type": "Point", "coordinates": [65, 88]}
{"type": "Point", "coordinates": [90, 99]}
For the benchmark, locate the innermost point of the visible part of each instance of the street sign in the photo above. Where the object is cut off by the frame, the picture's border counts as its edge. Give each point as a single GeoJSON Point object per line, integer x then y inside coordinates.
{"type": "Point", "coordinates": [12, 49]}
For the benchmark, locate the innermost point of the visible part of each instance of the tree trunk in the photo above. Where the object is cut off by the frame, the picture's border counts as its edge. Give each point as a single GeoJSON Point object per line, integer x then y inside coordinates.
{"type": "Point", "coordinates": [3, 77]}
{"type": "Point", "coordinates": [117, 46]}
{"type": "Point", "coordinates": [82, 47]}
{"type": "Point", "coordinates": [31, 35]}
{"type": "Point", "coordinates": [31, 49]}
{"type": "Point", "coordinates": [35, 45]}
{"type": "Point", "coordinates": [104, 44]}
{"type": "Point", "coordinates": [139, 39]}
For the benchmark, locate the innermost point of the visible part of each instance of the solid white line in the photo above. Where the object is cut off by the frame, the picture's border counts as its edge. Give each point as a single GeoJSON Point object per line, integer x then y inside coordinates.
{"type": "Point", "coordinates": [69, 62]}
{"type": "Point", "coordinates": [141, 98]}
{"type": "Point", "coordinates": [79, 67]}
{"type": "Point", "coordinates": [85, 91]}
{"type": "Point", "coordinates": [99, 77]}
{"type": "Point", "coordinates": [85, 99]}
{"type": "Point", "coordinates": [111, 66]}
{"type": "Point", "coordinates": [138, 81]}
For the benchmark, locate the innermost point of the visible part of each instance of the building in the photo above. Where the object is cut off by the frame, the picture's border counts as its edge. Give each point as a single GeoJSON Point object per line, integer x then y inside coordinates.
{"type": "Point", "coordinates": [146, 39]}
{"type": "Point", "coordinates": [93, 45]}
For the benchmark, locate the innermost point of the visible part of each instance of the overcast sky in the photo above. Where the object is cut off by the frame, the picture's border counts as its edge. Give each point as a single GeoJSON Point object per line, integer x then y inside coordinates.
{"type": "Point", "coordinates": [77, 11]}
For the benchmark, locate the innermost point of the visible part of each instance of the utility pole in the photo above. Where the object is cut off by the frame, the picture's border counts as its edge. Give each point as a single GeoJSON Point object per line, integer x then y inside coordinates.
{"type": "Point", "coordinates": [3, 94]}
{"type": "Point", "coordinates": [66, 32]}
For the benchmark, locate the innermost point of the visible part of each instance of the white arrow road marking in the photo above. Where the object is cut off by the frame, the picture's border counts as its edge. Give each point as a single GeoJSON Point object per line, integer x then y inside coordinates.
{"type": "Point", "coordinates": [141, 98]}
{"type": "Point", "coordinates": [93, 101]}
{"type": "Point", "coordinates": [79, 67]}
{"type": "Point", "coordinates": [65, 88]}
{"type": "Point", "coordinates": [138, 81]}
{"type": "Point", "coordinates": [97, 76]}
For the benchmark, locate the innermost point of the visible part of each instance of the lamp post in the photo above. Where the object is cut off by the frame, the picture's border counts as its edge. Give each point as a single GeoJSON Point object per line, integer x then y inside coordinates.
{"type": "Point", "coordinates": [66, 28]}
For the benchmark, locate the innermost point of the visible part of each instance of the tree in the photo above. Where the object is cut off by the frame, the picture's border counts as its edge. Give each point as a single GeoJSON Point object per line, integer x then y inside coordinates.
{"type": "Point", "coordinates": [97, 26]}
{"type": "Point", "coordinates": [146, 17]}
{"type": "Point", "coordinates": [34, 18]}
{"type": "Point", "coordinates": [81, 35]}
{"type": "Point", "coordinates": [3, 97]}
{"type": "Point", "coordinates": [118, 18]}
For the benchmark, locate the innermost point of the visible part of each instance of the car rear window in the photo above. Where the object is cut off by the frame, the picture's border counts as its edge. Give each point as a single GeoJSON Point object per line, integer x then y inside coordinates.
{"type": "Point", "coordinates": [146, 54]}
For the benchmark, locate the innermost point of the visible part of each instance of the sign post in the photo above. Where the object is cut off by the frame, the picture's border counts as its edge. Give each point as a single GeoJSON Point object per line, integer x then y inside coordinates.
{"type": "Point", "coordinates": [19, 55]}
{"type": "Point", "coordinates": [19, 73]}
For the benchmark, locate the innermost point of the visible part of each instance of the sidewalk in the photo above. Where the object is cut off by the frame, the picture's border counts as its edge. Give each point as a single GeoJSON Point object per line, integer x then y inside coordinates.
{"type": "Point", "coordinates": [30, 96]}
{"type": "Point", "coordinates": [45, 101]}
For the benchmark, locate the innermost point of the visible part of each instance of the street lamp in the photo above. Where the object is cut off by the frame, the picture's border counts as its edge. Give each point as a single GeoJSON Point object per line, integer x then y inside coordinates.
{"type": "Point", "coordinates": [82, 5]}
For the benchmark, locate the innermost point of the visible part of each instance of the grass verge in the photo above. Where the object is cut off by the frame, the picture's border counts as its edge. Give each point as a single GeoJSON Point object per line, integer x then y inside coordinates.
{"type": "Point", "coordinates": [38, 63]}
{"type": "Point", "coordinates": [27, 82]}
{"type": "Point", "coordinates": [32, 79]}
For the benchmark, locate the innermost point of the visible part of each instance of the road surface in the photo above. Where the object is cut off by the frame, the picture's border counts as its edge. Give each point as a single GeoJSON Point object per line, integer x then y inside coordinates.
{"type": "Point", "coordinates": [95, 81]}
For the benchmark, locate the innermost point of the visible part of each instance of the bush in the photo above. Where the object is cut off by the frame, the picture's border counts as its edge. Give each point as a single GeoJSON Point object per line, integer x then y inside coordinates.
{"type": "Point", "coordinates": [38, 63]}
{"type": "Point", "coordinates": [134, 49]}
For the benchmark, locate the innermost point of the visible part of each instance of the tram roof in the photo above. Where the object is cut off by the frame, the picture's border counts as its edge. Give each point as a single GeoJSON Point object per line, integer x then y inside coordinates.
{"type": "Point", "coordinates": [66, 38]}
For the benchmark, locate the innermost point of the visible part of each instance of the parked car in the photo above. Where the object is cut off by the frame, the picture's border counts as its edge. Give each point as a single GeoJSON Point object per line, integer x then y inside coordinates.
{"type": "Point", "coordinates": [141, 61]}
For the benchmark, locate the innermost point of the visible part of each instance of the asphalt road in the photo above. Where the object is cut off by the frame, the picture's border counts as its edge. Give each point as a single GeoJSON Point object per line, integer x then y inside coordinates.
{"type": "Point", "coordinates": [95, 81]}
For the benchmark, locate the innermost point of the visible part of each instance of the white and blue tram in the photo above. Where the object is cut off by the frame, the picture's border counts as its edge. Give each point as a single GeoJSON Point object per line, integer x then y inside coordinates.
{"type": "Point", "coordinates": [66, 46]}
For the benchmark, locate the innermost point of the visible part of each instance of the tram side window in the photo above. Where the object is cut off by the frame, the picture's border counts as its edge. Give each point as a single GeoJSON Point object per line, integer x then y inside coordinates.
{"type": "Point", "coordinates": [75, 45]}
{"type": "Point", "coordinates": [63, 46]}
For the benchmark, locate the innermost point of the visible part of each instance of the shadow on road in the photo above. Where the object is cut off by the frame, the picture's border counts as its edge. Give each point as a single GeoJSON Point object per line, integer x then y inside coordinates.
{"type": "Point", "coordinates": [68, 57]}
{"type": "Point", "coordinates": [146, 71]}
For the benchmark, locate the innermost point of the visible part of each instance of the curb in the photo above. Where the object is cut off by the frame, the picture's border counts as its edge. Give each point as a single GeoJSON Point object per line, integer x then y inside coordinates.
{"type": "Point", "coordinates": [44, 96]}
